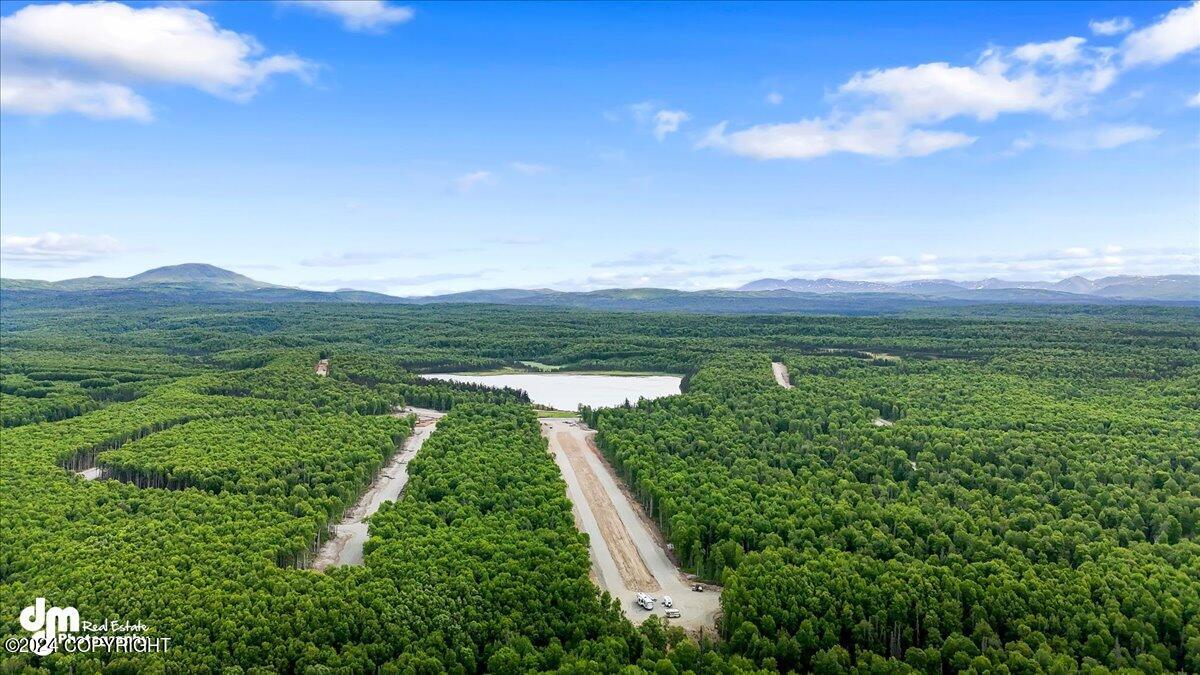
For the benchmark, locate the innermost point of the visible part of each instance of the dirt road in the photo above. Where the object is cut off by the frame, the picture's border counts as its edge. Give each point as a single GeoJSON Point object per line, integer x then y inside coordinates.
{"type": "Point", "coordinates": [781, 375]}
{"type": "Point", "coordinates": [345, 547]}
{"type": "Point", "coordinates": [627, 555]}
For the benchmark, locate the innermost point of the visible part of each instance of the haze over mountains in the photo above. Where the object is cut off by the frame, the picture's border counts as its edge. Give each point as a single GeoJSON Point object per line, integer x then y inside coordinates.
{"type": "Point", "coordinates": [201, 283]}
{"type": "Point", "coordinates": [1166, 287]}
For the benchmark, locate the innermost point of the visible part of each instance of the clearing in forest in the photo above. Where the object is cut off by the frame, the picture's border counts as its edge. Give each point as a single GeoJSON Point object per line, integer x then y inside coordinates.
{"type": "Point", "coordinates": [781, 374]}
{"type": "Point", "coordinates": [345, 547]}
{"type": "Point", "coordinates": [628, 555]}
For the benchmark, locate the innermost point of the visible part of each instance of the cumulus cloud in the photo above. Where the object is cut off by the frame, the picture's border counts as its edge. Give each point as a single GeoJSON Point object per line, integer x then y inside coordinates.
{"type": "Point", "coordinates": [85, 58]}
{"type": "Point", "coordinates": [878, 135]}
{"type": "Point", "coordinates": [1175, 34]}
{"type": "Point", "coordinates": [470, 181]}
{"type": "Point", "coordinates": [360, 16]}
{"type": "Point", "coordinates": [36, 95]}
{"type": "Point", "coordinates": [1066, 50]}
{"type": "Point", "coordinates": [1113, 26]}
{"type": "Point", "coordinates": [898, 112]}
{"type": "Point", "coordinates": [773, 98]}
{"type": "Point", "coordinates": [51, 249]}
{"type": "Point", "coordinates": [668, 121]}
{"type": "Point", "coordinates": [662, 121]}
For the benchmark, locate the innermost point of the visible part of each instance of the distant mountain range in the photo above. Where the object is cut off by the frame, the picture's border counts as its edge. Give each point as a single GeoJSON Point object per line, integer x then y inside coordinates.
{"type": "Point", "coordinates": [200, 283]}
{"type": "Point", "coordinates": [1168, 287]}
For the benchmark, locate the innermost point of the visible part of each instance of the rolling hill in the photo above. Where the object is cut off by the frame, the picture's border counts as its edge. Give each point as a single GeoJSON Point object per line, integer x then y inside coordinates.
{"type": "Point", "coordinates": [206, 284]}
{"type": "Point", "coordinates": [1172, 287]}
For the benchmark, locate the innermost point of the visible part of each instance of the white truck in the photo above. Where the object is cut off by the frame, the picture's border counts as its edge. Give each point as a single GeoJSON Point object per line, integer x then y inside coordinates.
{"type": "Point", "coordinates": [645, 601]}
{"type": "Point", "coordinates": [668, 602]}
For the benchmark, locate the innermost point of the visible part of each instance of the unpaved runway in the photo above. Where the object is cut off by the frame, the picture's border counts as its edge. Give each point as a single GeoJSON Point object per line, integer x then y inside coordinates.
{"type": "Point", "coordinates": [627, 556]}
{"type": "Point", "coordinates": [630, 566]}
{"type": "Point", "coordinates": [781, 375]}
{"type": "Point", "coordinates": [345, 547]}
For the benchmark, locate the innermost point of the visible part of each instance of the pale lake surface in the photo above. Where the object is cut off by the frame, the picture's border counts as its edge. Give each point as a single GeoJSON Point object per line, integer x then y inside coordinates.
{"type": "Point", "coordinates": [568, 391]}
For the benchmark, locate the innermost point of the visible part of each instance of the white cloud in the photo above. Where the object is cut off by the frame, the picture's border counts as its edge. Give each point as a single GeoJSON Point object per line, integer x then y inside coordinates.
{"type": "Point", "coordinates": [889, 112]}
{"type": "Point", "coordinates": [1020, 145]}
{"type": "Point", "coordinates": [1066, 50]}
{"type": "Point", "coordinates": [108, 46]}
{"type": "Point", "coordinates": [52, 249]}
{"type": "Point", "coordinates": [469, 181]}
{"type": "Point", "coordinates": [364, 16]}
{"type": "Point", "coordinates": [1194, 101]}
{"type": "Point", "coordinates": [50, 95]}
{"type": "Point", "coordinates": [934, 92]}
{"type": "Point", "coordinates": [529, 168]}
{"type": "Point", "coordinates": [1176, 34]}
{"type": "Point", "coordinates": [1109, 136]}
{"type": "Point", "coordinates": [1117, 135]}
{"type": "Point", "coordinates": [1113, 26]}
{"type": "Point", "coordinates": [878, 135]}
{"type": "Point", "coordinates": [773, 98]}
{"type": "Point", "coordinates": [1045, 265]}
{"type": "Point", "coordinates": [668, 121]}
{"type": "Point", "coordinates": [652, 114]}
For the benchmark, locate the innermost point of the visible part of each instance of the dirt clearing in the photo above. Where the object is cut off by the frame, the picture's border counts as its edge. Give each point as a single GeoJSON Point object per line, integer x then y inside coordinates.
{"type": "Point", "coordinates": [781, 375]}
{"type": "Point", "coordinates": [345, 547]}
{"type": "Point", "coordinates": [624, 552]}
{"type": "Point", "coordinates": [627, 552]}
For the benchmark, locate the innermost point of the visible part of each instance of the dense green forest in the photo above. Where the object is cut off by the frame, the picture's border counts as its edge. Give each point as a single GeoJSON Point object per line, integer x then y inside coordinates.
{"type": "Point", "coordinates": [1033, 505]}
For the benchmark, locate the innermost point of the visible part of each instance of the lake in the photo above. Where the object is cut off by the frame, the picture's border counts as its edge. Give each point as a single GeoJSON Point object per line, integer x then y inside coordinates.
{"type": "Point", "coordinates": [564, 391]}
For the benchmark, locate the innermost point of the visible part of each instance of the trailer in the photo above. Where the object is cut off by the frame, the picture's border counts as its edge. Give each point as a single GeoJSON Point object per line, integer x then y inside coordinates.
{"type": "Point", "coordinates": [645, 601]}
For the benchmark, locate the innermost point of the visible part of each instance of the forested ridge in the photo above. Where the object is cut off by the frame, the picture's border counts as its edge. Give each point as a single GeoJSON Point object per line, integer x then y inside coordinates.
{"type": "Point", "coordinates": [1034, 507]}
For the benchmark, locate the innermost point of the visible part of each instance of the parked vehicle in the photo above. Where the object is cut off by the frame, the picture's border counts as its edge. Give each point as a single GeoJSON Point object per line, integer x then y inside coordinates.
{"type": "Point", "coordinates": [699, 588]}
{"type": "Point", "coordinates": [667, 602]}
{"type": "Point", "coordinates": [645, 601]}
{"type": "Point", "coordinates": [672, 613]}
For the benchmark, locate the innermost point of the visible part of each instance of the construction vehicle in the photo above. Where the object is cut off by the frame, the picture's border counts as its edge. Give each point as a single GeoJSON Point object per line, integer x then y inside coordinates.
{"type": "Point", "coordinates": [672, 613]}
{"type": "Point", "coordinates": [667, 602]}
{"type": "Point", "coordinates": [645, 601]}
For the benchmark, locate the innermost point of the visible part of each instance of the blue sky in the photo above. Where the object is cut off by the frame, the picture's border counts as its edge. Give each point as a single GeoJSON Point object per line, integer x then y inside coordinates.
{"type": "Point", "coordinates": [421, 148]}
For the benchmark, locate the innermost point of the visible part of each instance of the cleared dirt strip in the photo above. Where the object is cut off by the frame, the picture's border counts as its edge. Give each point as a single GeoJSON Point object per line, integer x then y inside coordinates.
{"type": "Point", "coordinates": [781, 375]}
{"type": "Point", "coordinates": [628, 555]}
{"type": "Point", "coordinates": [629, 562]}
{"type": "Point", "coordinates": [345, 547]}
